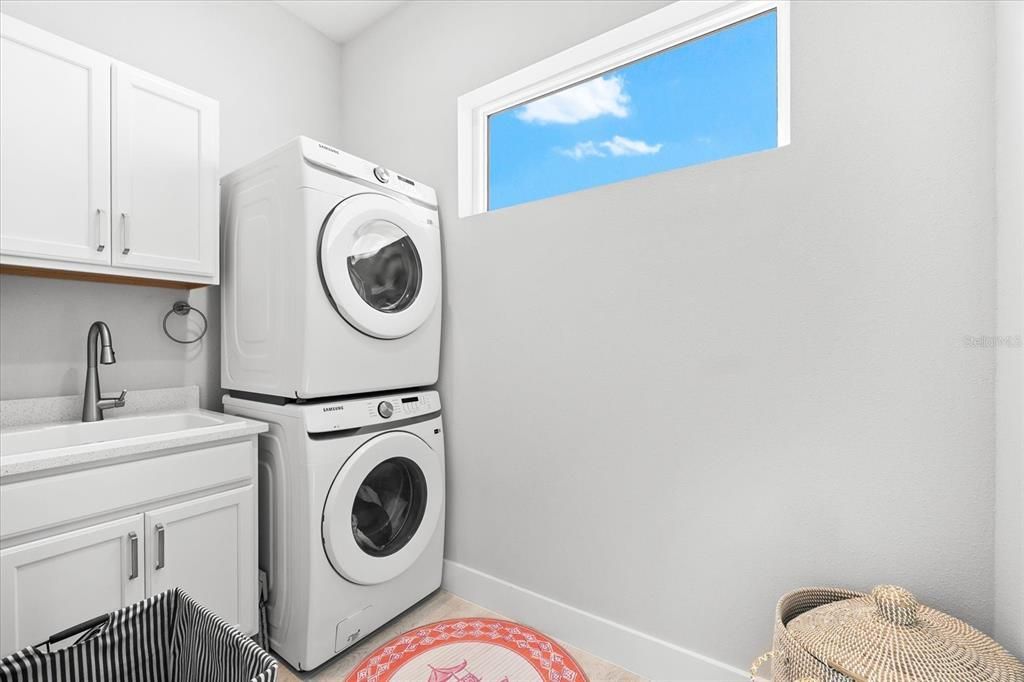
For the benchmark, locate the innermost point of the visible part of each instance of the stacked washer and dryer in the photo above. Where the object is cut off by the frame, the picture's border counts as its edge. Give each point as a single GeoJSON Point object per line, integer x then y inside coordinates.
{"type": "Point", "coordinates": [331, 302]}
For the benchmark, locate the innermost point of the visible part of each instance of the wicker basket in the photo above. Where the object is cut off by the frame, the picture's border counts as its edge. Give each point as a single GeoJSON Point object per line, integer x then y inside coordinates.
{"type": "Point", "coordinates": [837, 635]}
{"type": "Point", "coordinates": [790, 661]}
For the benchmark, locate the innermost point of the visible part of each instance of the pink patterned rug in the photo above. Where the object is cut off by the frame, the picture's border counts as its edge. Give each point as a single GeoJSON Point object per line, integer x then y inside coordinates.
{"type": "Point", "coordinates": [469, 650]}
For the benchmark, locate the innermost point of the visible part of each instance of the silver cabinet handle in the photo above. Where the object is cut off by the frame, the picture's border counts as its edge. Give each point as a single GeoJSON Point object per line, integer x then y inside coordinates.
{"type": "Point", "coordinates": [125, 248]}
{"type": "Point", "coordinates": [100, 244]}
{"type": "Point", "coordinates": [133, 556]}
{"type": "Point", "coordinates": [159, 546]}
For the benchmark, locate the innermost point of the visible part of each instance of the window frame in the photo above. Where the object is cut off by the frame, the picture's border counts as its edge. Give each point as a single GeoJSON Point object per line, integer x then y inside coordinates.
{"type": "Point", "coordinates": [660, 30]}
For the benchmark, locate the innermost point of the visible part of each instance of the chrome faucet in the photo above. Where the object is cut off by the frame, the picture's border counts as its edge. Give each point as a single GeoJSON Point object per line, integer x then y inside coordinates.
{"type": "Point", "coordinates": [92, 404]}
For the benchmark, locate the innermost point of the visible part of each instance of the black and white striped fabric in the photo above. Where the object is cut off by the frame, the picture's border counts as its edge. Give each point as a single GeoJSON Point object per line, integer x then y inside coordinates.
{"type": "Point", "coordinates": [166, 638]}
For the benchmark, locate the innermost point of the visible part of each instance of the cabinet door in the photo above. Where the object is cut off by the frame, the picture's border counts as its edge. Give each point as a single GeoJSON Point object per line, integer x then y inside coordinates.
{"type": "Point", "coordinates": [55, 155]}
{"type": "Point", "coordinates": [208, 548]}
{"type": "Point", "coordinates": [53, 584]}
{"type": "Point", "coordinates": [165, 170]}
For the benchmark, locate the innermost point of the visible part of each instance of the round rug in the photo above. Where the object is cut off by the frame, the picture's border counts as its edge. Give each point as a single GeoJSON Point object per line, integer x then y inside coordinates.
{"type": "Point", "coordinates": [469, 650]}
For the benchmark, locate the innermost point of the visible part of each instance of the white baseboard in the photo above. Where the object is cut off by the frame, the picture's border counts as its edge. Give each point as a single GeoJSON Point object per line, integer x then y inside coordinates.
{"type": "Point", "coordinates": [641, 653]}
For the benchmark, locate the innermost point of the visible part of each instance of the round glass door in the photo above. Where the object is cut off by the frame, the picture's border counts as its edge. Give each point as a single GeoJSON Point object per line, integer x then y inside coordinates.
{"type": "Point", "coordinates": [384, 266]}
{"type": "Point", "coordinates": [383, 507]}
{"type": "Point", "coordinates": [388, 507]}
{"type": "Point", "coordinates": [380, 264]}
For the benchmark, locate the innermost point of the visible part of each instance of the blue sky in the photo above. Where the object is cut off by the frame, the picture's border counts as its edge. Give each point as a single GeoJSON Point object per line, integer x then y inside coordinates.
{"type": "Point", "coordinates": [707, 99]}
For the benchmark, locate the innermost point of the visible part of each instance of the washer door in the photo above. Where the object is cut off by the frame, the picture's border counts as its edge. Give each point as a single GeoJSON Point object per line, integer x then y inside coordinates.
{"type": "Point", "coordinates": [382, 508]}
{"type": "Point", "coordinates": [380, 265]}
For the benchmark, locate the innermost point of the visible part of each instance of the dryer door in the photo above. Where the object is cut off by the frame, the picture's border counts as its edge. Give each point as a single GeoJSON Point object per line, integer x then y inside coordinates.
{"type": "Point", "coordinates": [382, 508]}
{"type": "Point", "coordinates": [380, 264]}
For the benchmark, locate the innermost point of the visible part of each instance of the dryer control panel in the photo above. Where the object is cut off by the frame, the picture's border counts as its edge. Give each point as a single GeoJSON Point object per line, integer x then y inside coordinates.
{"type": "Point", "coordinates": [341, 415]}
{"type": "Point", "coordinates": [330, 158]}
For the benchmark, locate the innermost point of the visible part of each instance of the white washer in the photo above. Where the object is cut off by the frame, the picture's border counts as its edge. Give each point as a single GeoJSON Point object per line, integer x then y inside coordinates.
{"type": "Point", "coordinates": [351, 516]}
{"type": "Point", "coordinates": [331, 281]}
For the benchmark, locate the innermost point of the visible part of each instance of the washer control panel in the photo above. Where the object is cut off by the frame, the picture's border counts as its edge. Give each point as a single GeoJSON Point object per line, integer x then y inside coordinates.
{"type": "Point", "coordinates": [340, 415]}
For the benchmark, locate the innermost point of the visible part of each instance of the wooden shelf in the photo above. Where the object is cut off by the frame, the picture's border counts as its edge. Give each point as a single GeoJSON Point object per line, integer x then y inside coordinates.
{"type": "Point", "coordinates": [96, 277]}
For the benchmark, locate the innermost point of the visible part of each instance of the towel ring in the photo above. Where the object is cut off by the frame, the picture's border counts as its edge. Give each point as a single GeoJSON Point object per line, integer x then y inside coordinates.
{"type": "Point", "coordinates": [183, 308]}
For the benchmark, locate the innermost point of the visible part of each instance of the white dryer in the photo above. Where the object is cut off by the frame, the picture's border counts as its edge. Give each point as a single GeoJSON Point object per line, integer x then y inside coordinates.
{"type": "Point", "coordinates": [351, 516]}
{"type": "Point", "coordinates": [331, 281]}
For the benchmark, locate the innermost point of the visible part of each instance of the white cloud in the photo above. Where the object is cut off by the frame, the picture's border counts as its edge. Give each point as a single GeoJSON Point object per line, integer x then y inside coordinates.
{"type": "Point", "coordinates": [623, 146]}
{"type": "Point", "coordinates": [582, 150]}
{"type": "Point", "coordinates": [590, 99]}
{"type": "Point", "coordinates": [617, 146]}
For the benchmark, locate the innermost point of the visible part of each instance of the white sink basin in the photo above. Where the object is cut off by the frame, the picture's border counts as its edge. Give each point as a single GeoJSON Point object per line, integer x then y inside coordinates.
{"type": "Point", "coordinates": [112, 429]}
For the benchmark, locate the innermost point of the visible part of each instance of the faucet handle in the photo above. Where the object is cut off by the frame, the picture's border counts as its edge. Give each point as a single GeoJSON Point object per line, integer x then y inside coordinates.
{"type": "Point", "coordinates": [107, 403]}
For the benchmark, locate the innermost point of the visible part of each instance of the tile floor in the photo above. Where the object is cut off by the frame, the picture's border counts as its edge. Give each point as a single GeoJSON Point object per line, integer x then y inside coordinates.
{"type": "Point", "coordinates": [440, 606]}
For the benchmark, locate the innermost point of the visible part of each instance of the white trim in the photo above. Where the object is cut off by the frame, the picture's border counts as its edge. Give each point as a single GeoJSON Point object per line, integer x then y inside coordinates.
{"type": "Point", "coordinates": [644, 654]}
{"type": "Point", "coordinates": [651, 33]}
{"type": "Point", "coordinates": [782, 81]}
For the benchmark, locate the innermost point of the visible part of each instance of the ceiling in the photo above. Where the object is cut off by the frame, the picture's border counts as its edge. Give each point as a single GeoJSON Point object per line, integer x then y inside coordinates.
{"type": "Point", "coordinates": [340, 20]}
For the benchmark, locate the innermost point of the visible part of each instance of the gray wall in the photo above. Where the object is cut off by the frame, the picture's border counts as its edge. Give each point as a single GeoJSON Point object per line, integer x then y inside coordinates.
{"type": "Point", "coordinates": [671, 400]}
{"type": "Point", "coordinates": [1010, 324]}
{"type": "Point", "coordinates": [275, 78]}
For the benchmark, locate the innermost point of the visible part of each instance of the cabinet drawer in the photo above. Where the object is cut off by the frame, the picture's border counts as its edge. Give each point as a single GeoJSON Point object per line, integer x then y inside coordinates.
{"type": "Point", "coordinates": [43, 503]}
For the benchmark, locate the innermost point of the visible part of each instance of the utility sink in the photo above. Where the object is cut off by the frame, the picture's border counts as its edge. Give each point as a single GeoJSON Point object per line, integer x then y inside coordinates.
{"type": "Point", "coordinates": [53, 436]}
{"type": "Point", "coordinates": [66, 445]}
{"type": "Point", "coordinates": [40, 436]}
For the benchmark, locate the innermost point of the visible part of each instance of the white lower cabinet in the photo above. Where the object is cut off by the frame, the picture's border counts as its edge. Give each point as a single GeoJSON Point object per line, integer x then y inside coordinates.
{"type": "Point", "coordinates": [52, 584]}
{"type": "Point", "coordinates": [187, 519]}
{"type": "Point", "coordinates": [208, 548]}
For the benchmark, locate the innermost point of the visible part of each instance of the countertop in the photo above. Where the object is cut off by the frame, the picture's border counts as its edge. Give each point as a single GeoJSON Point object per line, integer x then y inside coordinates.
{"type": "Point", "coordinates": [30, 464]}
{"type": "Point", "coordinates": [68, 408]}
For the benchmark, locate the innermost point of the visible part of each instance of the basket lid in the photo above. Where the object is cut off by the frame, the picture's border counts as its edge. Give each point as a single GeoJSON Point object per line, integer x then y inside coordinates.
{"type": "Point", "coordinates": [888, 636]}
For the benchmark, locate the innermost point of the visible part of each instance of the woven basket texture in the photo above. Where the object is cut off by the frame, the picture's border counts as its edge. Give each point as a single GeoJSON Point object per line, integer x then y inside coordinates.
{"type": "Point", "coordinates": [837, 635]}
{"type": "Point", "coordinates": [792, 663]}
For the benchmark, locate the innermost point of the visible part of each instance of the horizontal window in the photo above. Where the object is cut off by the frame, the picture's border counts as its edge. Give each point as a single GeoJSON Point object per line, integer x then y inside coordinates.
{"type": "Point", "coordinates": [671, 89]}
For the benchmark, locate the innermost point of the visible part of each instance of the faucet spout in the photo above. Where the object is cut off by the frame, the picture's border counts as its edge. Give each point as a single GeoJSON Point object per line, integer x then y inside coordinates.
{"type": "Point", "coordinates": [99, 331]}
{"type": "Point", "coordinates": [92, 403]}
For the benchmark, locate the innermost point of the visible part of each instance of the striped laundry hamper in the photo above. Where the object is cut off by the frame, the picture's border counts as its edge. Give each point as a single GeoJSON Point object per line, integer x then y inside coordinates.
{"type": "Point", "coordinates": [166, 638]}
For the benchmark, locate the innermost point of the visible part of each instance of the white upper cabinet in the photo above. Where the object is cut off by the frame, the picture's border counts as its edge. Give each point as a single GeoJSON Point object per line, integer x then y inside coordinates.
{"type": "Point", "coordinates": [54, 147]}
{"type": "Point", "coordinates": [164, 175]}
{"type": "Point", "coordinates": [106, 170]}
